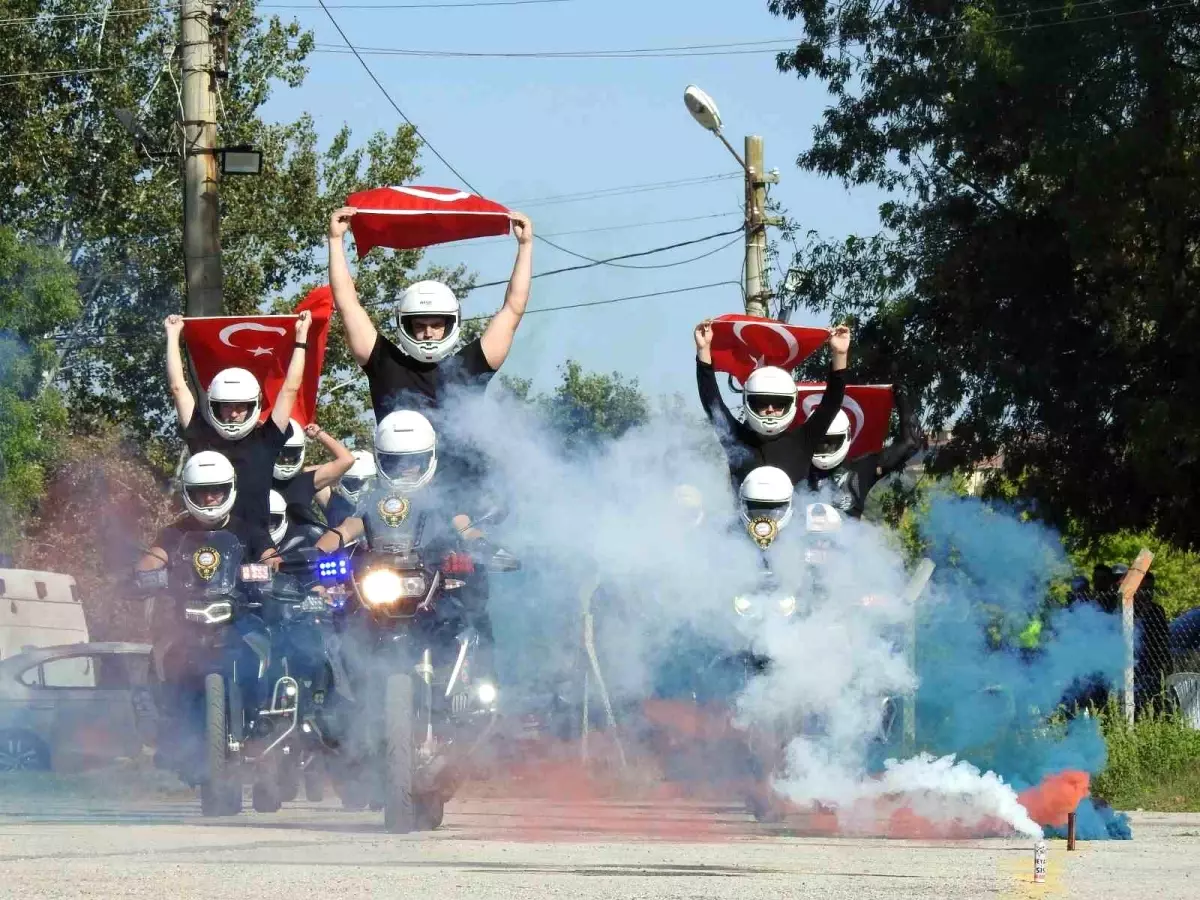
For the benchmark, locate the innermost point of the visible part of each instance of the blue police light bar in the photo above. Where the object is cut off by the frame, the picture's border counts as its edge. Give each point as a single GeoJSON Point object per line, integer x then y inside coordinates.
{"type": "Point", "coordinates": [333, 568]}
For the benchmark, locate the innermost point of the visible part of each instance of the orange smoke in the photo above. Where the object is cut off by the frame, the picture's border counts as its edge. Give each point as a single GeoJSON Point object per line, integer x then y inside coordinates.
{"type": "Point", "coordinates": [1057, 795]}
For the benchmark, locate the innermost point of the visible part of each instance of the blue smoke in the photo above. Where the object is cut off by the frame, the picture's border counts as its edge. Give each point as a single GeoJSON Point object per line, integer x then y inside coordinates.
{"type": "Point", "coordinates": [989, 683]}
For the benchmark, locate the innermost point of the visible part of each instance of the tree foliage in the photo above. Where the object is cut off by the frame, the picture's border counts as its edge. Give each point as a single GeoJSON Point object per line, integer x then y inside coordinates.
{"type": "Point", "coordinates": [104, 503]}
{"type": "Point", "coordinates": [37, 295]}
{"type": "Point", "coordinates": [1035, 272]}
{"type": "Point", "coordinates": [587, 408]}
{"type": "Point", "coordinates": [73, 175]}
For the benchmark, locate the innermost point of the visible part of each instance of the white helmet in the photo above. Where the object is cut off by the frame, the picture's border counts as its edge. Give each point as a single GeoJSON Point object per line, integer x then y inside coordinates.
{"type": "Point", "coordinates": [405, 441]}
{"type": "Point", "coordinates": [821, 520]}
{"type": "Point", "coordinates": [427, 298]}
{"type": "Point", "coordinates": [279, 519]}
{"type": "Point", "coordinates": [233, 386]}
{"type": "Point", "coordinates": [832, 448]}
{"type": "Point", "coordinates": [209, 487]}
{"type": "Point", "coordinates": [766, 497]}
{"type": "Point", "coordinates": [351, 484]}
{"type": "Point", "coordinates": [769, 386]}
{"type": "Point", "coordinates": [690, 502]}
{"type": "Point", "coordinates": [291, 457]}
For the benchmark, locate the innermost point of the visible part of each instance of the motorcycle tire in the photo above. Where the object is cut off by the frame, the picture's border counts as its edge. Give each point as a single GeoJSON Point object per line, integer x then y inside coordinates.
{"type": "Point", "coordinates": [399, 810]}
{"type": "Point", "coordinates": [266, 797]}
{"type": "Point", "coordinates": [431, 809]}
{"type": "Point", "coordinates": [289, 784]}
{"type": "Point", "coordinates": [314, 784]}
{"type": "Point", "coordinates": [217, 788]}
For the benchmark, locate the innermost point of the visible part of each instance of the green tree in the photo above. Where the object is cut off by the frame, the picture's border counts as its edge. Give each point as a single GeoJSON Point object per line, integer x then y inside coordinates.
{"type": "Point", "coordinates": [1176, 571]}
{"type": "Point", "coordinates": [1035, 272]}
{"type": "Point", "coordinates": [72, 174]}
{"type": "Point", "coordinates": [37, 295]}
{"type": "Point", "coordinates": [588, 408]}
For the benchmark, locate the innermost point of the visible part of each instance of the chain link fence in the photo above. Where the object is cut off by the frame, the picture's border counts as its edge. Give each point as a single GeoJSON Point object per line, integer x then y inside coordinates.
{"type": "Point", "coordinates": [1166, 670]}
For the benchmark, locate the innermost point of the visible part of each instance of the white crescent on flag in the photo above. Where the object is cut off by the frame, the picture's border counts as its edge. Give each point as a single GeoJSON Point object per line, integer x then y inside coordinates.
{"type": "Point", "coordinates": [230, 330]}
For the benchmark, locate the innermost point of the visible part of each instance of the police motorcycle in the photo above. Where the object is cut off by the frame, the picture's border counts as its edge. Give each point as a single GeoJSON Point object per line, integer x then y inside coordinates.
{"type": "Point", "coordinates": [291, 736]}
{"type": "Point", "coordinates": [418, 664]}
{"type": "Point", "coordinates": [236, 674]}
{"type": "Point", "coordinates": [211, 669]}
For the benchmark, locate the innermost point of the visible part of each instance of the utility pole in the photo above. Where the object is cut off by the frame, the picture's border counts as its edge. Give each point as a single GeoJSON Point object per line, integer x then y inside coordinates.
{"type": "Point", "coordinates": [201, 207]}
{"type": "Point", "coordinates": [757, 292]}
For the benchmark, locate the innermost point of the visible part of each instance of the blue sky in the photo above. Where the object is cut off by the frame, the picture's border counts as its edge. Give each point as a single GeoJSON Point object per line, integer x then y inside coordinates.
{"type": "Point", "coordinates": [535, 128]}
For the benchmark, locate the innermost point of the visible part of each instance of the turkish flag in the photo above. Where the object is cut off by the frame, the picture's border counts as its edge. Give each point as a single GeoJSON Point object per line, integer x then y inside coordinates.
{"type": "Point", "coordinates": [868, 406]}
{"type": "Point", "coordinates": [405, 218]}
{"type": "Point", "coordinates": [263, 346]}
{"type": "Point", "coordinates": [741, 344]}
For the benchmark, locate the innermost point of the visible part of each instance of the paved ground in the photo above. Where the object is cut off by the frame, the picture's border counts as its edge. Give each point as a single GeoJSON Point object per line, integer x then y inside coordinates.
{"type": "Point", "coordinates": [57, 843]}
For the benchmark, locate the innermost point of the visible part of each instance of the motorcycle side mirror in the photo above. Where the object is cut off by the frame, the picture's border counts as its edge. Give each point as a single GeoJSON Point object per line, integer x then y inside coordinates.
{"type": "Point", "coordinates": [503, 561]}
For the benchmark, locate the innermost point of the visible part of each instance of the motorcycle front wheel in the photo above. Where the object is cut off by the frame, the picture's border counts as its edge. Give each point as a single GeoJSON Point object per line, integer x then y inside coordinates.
{"type": "Point", "coordinates": [220, 793]}
{"type": "Point", "coordinates": [399, 812]}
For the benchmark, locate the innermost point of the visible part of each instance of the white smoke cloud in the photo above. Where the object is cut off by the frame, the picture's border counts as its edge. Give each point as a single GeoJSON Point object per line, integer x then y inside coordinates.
{"type": "Point", "coordinates": [612, 516]}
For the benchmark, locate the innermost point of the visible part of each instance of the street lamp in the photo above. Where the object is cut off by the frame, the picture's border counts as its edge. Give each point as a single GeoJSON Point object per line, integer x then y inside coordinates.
{"type": "Point", "coordinates": [704, 110]}
{"type": "Point", "coordinates": [240, 160]}
{"type": "Point", "coordinates": [758, 294]}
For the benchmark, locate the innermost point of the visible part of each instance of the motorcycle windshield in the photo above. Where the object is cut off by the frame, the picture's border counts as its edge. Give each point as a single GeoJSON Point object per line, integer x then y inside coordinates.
{"type": "Point", "coordinates": [209, 562]}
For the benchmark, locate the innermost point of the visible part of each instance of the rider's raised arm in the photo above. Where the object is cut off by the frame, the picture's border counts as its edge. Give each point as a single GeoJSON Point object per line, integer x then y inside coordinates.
{"type": "Point", "coordinates": [281, 413]}
{"type": "Point", "coordinates": [895, 456]}
{"type": "Point", "coordinates": [706, 380]}
{"type": "Point", "coordinates": [360, 330]}
{"type": "Point", "coordinates": [181, 392]}
{"type": "Point", "coordinates": [328, 473]}
{"type": "Point", "coordinates": [835, 390]}
{"type": "Point", "coordinates": [497, 338]}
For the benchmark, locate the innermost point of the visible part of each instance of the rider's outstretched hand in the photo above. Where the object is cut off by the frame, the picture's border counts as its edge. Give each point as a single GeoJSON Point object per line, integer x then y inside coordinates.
{"type": "Point", "coordinates": [703, 334]}
{"type": "Point", "coordinates": [173, 325]}
{"type": "Point", "coordinates": [302, 325]}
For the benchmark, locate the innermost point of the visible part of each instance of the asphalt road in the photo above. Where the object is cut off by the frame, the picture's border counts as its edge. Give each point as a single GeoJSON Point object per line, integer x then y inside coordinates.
{"type": "Point", "coordinates": [68, 843]}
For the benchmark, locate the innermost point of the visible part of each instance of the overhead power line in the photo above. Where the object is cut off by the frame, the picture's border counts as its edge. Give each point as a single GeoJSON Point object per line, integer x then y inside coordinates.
{"type": "Point", "coordinates": [622, 191]}
{"type": "Point", "coordinates": [646, 296]}
{"type": "Point", "coordinates": [387, 95]}
{"type": "Point", "coordinates": [614, 261]}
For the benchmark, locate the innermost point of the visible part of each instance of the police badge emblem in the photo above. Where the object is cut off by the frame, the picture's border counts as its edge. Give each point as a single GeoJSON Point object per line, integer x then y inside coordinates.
{"type": "Point", "coordinates": [205, 561]}
{"type": "Point", "coordinates": [763, 531]}
{"type": "Point", "coordinates": [393, 510]}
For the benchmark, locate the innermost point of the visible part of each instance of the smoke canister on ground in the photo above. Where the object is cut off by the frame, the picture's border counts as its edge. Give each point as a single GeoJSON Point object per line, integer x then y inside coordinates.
{"type": "Point", "coordinates": [1039, 862]}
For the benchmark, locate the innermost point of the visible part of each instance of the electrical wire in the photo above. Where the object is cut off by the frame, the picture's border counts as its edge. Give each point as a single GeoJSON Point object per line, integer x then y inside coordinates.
{"type": "Point", "coordinates": [603, 193]}
{"type": "Point", "coordinates": [682, 290]}
{"type": "Point", "coordinates": [624, 227]}
{"type": "Point", "coordinates": [610, 261]}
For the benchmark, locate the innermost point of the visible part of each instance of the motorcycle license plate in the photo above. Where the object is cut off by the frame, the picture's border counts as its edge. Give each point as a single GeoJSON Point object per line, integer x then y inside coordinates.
{"type": "Point", "coordinates": [256, 572]}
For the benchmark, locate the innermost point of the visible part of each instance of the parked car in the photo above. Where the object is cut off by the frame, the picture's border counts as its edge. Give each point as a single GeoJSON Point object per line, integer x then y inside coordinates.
{"type": "Point", "coordinates": [75, 703]}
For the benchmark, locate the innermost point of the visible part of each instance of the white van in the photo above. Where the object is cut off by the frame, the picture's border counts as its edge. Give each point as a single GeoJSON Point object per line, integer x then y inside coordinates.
{"type": "Point", "coordinates": [38, 609]}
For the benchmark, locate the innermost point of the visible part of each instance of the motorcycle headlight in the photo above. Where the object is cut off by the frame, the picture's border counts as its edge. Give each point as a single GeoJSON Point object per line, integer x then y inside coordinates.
{"type": "Point", "coordinates": [742, 604]}
{"type": "Point", "coordinates": [213, 614]}
{"type": "Point", "coordinates": [486, 692]}
{"type": "Point", "coordinates": [383, 586]}
{"type": "Point", "coordinates": [787, 605]}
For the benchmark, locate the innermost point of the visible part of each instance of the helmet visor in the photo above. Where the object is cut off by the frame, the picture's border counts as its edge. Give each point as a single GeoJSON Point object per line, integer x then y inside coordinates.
{"type": "Point", "coordinates": [208, 496]}
{"type": "Point", "coordinates": [277, 520]}
{"type": "Point", "coordinates": [290, 456]}
{"type": "Point", "coordinates": [757, 509]}
{"type": "Point", "coordinates": [352, 484]}
{"type": "Point", "coordinates": [232, 413]}
{"type": "Point", "coordinates": [427, 327]}
{"type": "Point", "coordinates": [404, 467]}
{"type": "Point", "coordinates": [773, 405]}
{"type": "Point", "coordinates": [828, 444]}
